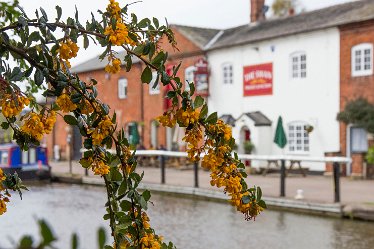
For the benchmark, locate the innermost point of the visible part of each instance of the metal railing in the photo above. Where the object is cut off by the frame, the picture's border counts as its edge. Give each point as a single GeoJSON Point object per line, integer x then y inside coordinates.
{"type": "Point", "coordinates": [336, 161]}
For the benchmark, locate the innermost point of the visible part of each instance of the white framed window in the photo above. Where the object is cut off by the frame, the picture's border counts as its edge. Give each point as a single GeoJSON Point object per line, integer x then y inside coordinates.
{"type": "Point", "coordinates": [298, 65]}
{"type": "Point", "coordinates": [227, 71]}
{"type": "Point", "coordinates": [122, 88]}
{"type": "Point", "coordinates": [156, 90]}
{"type": "Point", "coordinates": [359, 140]}
{"type": "Point", "coordinates": [362, 59]}
{"type": "Point", "coordinates": [298, 137]}
{"type": "Point", "coordinates": [189, 76]}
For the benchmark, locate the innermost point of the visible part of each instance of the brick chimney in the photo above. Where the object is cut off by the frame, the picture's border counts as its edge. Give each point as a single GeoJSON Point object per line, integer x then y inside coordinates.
{"type": "Point", "coordinates": [257, 13]}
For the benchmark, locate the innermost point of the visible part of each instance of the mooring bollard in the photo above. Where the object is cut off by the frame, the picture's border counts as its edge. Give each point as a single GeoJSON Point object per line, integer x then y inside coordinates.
{"type": "Point", "coordinates": [196, 171]}
{"type": "Point", "coordinates": [283, 178]}
{"type": "Point", "coordinates": [162, 166]}
{"type": "Point", "coordinates": [336, 171]}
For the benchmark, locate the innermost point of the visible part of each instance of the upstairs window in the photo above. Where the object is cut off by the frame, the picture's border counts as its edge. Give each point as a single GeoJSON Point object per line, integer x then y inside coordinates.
{"type": "Point", "coordinates": [122, 88]}
{"type": "Point", "coordinates": [362, 59]}
{"type": "Point", "coordinates": [156, 90]}
{"type": "Point", "coordinates": [227, 70]}
{"type": "Point", "coordinates": [189, 76]}
{"type": "Point", "coordinates": [298, 137]}
{"type": "Point", "coordinates": [298, 65]}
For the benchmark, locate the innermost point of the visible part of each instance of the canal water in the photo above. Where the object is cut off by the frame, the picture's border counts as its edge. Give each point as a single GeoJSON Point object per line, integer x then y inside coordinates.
{"type": "Point", "coordinates": [189, 223]}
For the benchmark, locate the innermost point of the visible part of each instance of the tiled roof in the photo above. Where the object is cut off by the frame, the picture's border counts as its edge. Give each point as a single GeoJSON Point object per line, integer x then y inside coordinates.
{"type": "Point", "coordinates": [96, 64]}
{"type": "Point", "coordinates": [258, 118]}
{"type": "Point", "coordinates": [333, 16]}
{"type": "Point", "coordinates": [199, 36]}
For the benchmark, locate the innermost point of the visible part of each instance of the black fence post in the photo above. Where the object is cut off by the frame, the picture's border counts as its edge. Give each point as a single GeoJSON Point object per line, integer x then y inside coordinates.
{"type": "Point", "coordinates": [196, 171]}
{"type": "Point", "coordinates": [162, 166]}
{"type": "Point", "coordinates": [283, 178]}
{"type": "Point", "coordinates": [86, 172]}
{"type": "Point", "coordinates": [336, 170]}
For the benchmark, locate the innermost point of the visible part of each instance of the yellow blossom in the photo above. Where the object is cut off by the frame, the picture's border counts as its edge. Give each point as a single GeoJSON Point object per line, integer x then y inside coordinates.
{"type": "Point", "coordinates": [13, 105]}
{"type": "Point", "coordinates": [102, 130]}
{"type": "Point", "coordinates": [49, 121]}
{"type": "Point", "coordinates": [65, 103]}
{"type": "Point", "coordinates": [2, 206]}
{"type": "Point", "coordinates": [114, 9]}
{"type": "Point", "coordinates": [166, 120]}
{"type": "Point", "coordinates": [33, 126]}
{"type": "Point", "coordinates": [114, 66]}
{"type": "Point", "coordinates": [100, 168]}
{"type": "Point", "coordinates": [187, 117]}
{"type": "Point", "coordinates": [68, 49]}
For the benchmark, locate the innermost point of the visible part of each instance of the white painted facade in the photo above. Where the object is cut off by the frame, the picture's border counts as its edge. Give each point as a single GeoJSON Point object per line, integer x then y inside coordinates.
{"type": "Point", "coordinates": [313, 100]}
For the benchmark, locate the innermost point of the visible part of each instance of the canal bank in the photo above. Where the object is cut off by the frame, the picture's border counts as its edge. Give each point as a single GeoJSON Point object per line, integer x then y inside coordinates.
{"type": "Point", "coordinates": [350, 209]}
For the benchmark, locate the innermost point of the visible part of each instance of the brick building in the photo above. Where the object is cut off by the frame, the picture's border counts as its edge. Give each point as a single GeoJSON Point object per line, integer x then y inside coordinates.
{"type": "Point", "coordinates": [356, 81]}
{"type": "Point", "coordinates": [136, 104]}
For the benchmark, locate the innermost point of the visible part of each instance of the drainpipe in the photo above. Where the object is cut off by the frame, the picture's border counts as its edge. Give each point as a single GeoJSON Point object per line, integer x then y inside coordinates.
{"type": "Point", "coordinates": [142, 107]}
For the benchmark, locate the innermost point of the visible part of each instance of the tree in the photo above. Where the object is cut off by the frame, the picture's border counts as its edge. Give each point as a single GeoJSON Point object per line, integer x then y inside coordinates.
{"type": "Point", "coordinates": [42, 56]}
{"type": "Point", "coordinates": [283, 7]}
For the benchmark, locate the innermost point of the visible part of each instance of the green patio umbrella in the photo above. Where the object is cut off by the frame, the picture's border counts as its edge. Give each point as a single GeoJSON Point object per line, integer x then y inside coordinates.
{"type": "Point", "coordinates": [280, 136]}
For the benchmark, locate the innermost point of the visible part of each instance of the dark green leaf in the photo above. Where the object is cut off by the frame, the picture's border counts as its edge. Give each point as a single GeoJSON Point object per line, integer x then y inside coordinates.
{"type": "Point", "coordinates": [46, 233]}
{"type": "Point", "coordinates": [101, 237]}
{"type": "Point", "coordinates": [44, 13]}
{"type": "Point", "coordinates": [262, 204]}
{"type": "Point", "coordinates": [71, 120]}
{"type": "Point", "coordinates": [74, 241]}
{"type": "Point", "coordinates": [147, 195]}
{"type": "Point", "coordinates": [192, 88]}
{"type": "Point", "coordinates": [115, 175]}
{"type": "Point", "coordinates": [26, 242]}
{"type": "Point", "coordinates": [171, 94]}
{"type": "Point", "coordinates": [38, 77]}
{"type": "Point", "coordinates": [212, 119]}
{"type": "Point", "coordinates": [16, 74]}
{"type": "Point", "coordinates": [259, 193]}
{"type": "Point", "coordinates": [199, 101]}
{"type": "Point", "coordinates": [122, 188]}
{"type": "Point", "coordinates": [4, 125]}
{"type": "Point", "coordinates": [126, 205]}
{"type": "Point", "coordinates": [86, 42]}
{"type": "Point", "coordinates": [59, 13]}
{"type": "Point", "coordinates": [146, 75]}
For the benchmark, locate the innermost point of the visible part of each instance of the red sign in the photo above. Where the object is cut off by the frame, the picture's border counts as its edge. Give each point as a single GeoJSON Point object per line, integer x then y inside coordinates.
{"type": "Point", "coordinates": [201, 77]}
{"type": "Point", "coordinates": [258, 80]}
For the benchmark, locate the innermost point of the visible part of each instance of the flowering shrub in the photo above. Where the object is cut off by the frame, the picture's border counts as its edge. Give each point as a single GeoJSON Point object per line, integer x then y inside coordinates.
{"type": "Point", "coordinates": [44, 58]}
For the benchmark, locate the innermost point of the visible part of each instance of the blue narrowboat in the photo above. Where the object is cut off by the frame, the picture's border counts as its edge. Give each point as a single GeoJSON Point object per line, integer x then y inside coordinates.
{"type": "Point", "coordinates": [30, 164]}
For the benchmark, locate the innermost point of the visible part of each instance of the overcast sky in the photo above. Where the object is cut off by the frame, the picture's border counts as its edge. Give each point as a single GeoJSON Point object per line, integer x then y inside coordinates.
{"type": "Point", "coordinates": [203, 13]}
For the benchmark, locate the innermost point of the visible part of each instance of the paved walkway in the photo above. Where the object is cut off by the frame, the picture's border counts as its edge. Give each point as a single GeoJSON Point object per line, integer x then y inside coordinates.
{"type": "Point", "coordinates": [316, 188]}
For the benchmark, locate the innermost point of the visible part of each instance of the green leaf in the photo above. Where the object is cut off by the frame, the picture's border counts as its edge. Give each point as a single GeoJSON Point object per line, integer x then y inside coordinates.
{"type": "Point", "coordinates": [155, 21]}
{"type": "Point", "coordinates": [74, 241]}
{"type": "Point", "coordinates": [26, 242]}
{"type": "Point", "coordinates": [199, 101]}
{"type": "Point", "coordinates": [115, 175]}
{"type": "Point", "coordinates": [71, 120]}
{"type": "Point", "coordinates": [34, 36]}
{"type": "Point", "coordinates": [46, 233]}
{"type": "Point", "coordinates": [122, 188]}
{"type": "Point", "coordinates": [259, 193]}
{"type": "Point", "coordinates": [171, 94]}
{"type": "Point", "coordinates": [192, 88]}
{"type": "Point", "coordinates": [86, 42]}
{"type": "Point", "coordinates": [143, 203]}
{"type": "Point", "coordinates": [159, 57]}
{"type": "Point", "coordinates": [4, 125]}
{"type": "Point", "coordinates": [212, 119]}
{"type": "Point", "coordinates": [204, 111]}
{"type": "Point", "coordinates": [101, 237]}
{"type": "Point", "coordinates": [143, 23]}
{"type": "Point", "coordinates": [146, 75]}
{"type": "Point", "coordinates": [38, 77]}
{"type": "Point", "coordinates": [85, 162]}
{"type": "Point", "coordinates": [126, 205]}
{"type": "Point", "coordinates": [59, 13]}
{"type": "Point", "coordinates": [147, 195]}
{"type": "Point", "coordinates": [262, 204]}
{"type": "Point", "coordinates": [16, 74]}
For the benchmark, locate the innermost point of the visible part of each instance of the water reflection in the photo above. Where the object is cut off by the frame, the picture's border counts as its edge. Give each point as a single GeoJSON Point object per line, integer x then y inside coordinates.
{"type": "Point", "coordinates": [188, 223]}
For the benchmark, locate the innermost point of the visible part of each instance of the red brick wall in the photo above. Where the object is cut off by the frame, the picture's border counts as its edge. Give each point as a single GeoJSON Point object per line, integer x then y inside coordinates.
{"type": "Point", "coordinates": [352, 88]}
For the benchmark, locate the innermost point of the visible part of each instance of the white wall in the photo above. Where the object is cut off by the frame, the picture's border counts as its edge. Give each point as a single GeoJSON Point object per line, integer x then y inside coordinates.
{"type": "Point", "coordinates": [314, 99]}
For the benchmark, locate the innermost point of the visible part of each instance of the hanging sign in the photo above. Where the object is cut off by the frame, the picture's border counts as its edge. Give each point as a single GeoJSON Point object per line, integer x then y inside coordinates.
{"type": "Point", "coordinates": [201, 77]}
{"type": "Point", "coordinates": [258, 80]}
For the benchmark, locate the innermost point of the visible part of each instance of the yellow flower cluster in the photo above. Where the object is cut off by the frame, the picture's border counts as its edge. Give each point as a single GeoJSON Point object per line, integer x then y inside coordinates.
{"type": "Point", "coordinates": [114, 65]}
{"type": "Point", "coordinates": [166, 120]}
{"type": "Point", "coordinates": [36, 125]}
{"type": "Point", "coordinates": [193, 138]}
{"type": "Point", "coordinates": [149, 240]}
{"type": "Point", "coordinates": [102, 130]}
{"type": "Point", "coordinates": [3, 196]}
{"type": "Point", "coordinates": [13, 105]}
{"type": "Point", "coordinates": [68, 49]}
{"type": "Point", "coordinates": [187, 117]}
{"type": "Point", "coordinates": [33, 126]}
{"type": "Point", "coordinates": [99, 167]}
{"type": "Point", "coordinates": [86, 107]}
{"type": "Point", "coordinates": [65, 103]}
{"type": "Point", "coordinates": [114, 9]}
{"type": "Point", "coordinates": [120, 34]}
